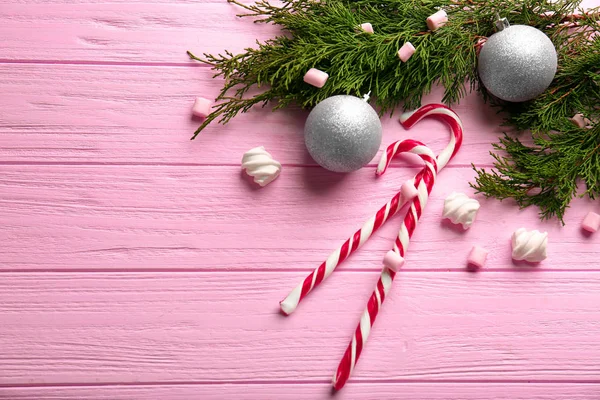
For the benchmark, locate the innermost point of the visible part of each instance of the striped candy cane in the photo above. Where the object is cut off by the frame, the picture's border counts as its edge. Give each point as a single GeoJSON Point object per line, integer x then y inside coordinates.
{"type": "Point", "coordinates": [424, 181]}
{"type": "Point", "coordinates": [407, 193]}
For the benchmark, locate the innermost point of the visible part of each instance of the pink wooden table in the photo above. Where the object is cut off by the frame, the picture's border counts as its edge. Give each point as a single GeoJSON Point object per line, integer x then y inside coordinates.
{"type": "Point", "coordinates": [136, 264]}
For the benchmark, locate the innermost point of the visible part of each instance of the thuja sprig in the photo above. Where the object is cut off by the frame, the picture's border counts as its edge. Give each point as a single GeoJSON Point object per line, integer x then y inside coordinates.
{"type": "Point", "coordinates": [547, 173]}
{"type": "Point", "coordinates": [323, 34]}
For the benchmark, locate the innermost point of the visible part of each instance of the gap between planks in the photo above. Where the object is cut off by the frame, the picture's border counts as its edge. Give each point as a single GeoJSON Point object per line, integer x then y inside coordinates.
{"type": "Point", "coordinates": [174, 164]}
{"type": "Point", "coordinates": [310, 382]}
{"type": "Point", "coordinates": [250, 270]}
{"type": "Point", "coordinates": [449, 391]}
{"type": "Point", "coordinates": [191, 64]}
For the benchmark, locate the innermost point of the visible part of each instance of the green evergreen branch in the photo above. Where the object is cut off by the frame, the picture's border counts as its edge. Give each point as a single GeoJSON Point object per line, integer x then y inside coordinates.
{"type": "Point", "coordinates": [323, 34]}
{"type": "Point", "coordinates": [546, 174]}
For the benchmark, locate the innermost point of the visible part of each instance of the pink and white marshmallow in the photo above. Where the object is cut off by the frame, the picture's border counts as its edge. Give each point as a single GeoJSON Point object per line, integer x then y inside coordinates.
{"type": "Point", "coordinates": [460, 209]}
{"type": "Point", "coordinates": [437, 20]}
{"type": "Point", "coordinates": [367, 28]}
{"type": "Point", "coordinates": [529, 246]}
{"type": "Point", "coordinates": [259, 164]}
{"type": "Point", "coordinates": [477, 258]}
{"type": "Point", "coordinates": [316, 78]}
{"type": "Point", "coordinates": [393, 260]}
{"type": "Point", "coordinates": [591, 222]}
{"type": "Point", "coordinates": [406, 51]}
{"type": "Point", "coordinates": [201, 107]}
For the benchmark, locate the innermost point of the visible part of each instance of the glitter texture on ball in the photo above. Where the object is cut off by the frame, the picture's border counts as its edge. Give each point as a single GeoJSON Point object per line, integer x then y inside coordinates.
{"type": "Point", "coordinates": [343, 133]}
{"type": "Point", "coordinates": [517, 63]}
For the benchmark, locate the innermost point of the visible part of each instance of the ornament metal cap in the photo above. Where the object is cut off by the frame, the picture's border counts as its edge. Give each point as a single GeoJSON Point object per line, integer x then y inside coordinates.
{"type": "Point", "coordinates": [501, 23]}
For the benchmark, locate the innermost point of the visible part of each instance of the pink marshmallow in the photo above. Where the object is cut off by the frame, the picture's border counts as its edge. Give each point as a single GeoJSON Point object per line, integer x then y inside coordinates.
{"type": "Point", "coordinates": [406, 51]}
{"type": "Point", "coordinates": [393, 260]}
{"type": "Point", "coordinates": [580, 121]}
{"type": "Point", "coordinates": [201, 107]}
{"type": "Point", "coordinates": [367, 27]}
{"type": "Point", "coordinates": [316, 77]}
{"type": "Point", "coordinates": [479, 45]}
{"type": "Point", "coordinates": [408, 191]}
{"type": "Point", "coordinates": [437, 20]}
{"type": "Point", "coordinates": [591, 222]}
{"type": "Point", "coordinates": [477, 257]}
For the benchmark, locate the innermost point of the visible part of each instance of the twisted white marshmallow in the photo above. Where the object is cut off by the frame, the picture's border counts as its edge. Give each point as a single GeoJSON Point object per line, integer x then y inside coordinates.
{"type": "Point", "coordinates": [260, 165]}
{"type": "Point", "coordinates": [529, 245]}
{"type": "Point", "coordinates": [460, 209]}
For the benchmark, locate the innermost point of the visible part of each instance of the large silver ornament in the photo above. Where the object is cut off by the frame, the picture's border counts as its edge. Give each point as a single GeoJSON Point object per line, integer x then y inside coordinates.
{"type": "Point", "coordinates": [342, 133]}
{"type": "Point", "coordinates": [517, 63]}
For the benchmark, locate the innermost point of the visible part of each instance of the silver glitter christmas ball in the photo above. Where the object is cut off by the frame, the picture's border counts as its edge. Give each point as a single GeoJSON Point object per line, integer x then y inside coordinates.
{"type": "Point", "coordinates": [518, 63]}
{"type": "Point", "coordinates": [342, 133]}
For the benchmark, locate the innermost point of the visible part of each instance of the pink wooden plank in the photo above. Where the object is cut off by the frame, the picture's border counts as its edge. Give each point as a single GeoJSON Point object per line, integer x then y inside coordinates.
{"type": "Point", "coordinates": [142, 217]}
{"type": "Point", "coordinates": [126, 30]}
{"type": "Point", "coordinates": [225, 327]}
{"type": "Point", "coordinates": [117, 114]}
{"type": "Point", "coordinates": [372, 391]}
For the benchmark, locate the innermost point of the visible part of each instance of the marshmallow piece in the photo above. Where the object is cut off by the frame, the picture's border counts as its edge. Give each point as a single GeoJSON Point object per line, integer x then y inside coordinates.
{"type": "Point", "coordinates": [408, 191]}
{"type": "Point", "coordinates": [367, 27]}
{"type": "Point", "coordinates": [580, 121]}
{"type": "Point", "coordinates": [260, 165]}
{"type": "Point", "coordinates": [393, 260]}
{"type": "Point", "coordinates": [591, 222]}
{"type": "Point", "coordinates": [406, 51]}
{"type": "Point", "coordinates": [437, 20]}
{"type": "Point", "coordinates": [477, 257]}
{"type": "Point", "coordinates": [201, 107]}
{"type": "Point", "coordinates": [316, 77]}
{"type": "Point", "coordinates": [460, 209]}
{"type": "Point", "coordinates": [479, 45]}
{"type": "Point", "coordinates": [529, 245]}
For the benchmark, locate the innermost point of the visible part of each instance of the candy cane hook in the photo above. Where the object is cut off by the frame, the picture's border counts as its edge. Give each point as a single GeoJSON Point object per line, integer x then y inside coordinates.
{"type": "Point", "coordinates": [424, 181]}
{"type": "Point", "coordinates": [407, 193]}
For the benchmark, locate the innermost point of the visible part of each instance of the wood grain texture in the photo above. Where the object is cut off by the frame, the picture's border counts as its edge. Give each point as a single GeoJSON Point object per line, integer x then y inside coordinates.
{"type": "Point", "coordinates": [205, 218]}
{"type": "Point", "coordinates": [373, 391]}
{"type": "Point", "coordinates": [225, 327]}
{"type": "Point", "coordinates": [125, 31]}
{"type": "Point", "coordinates": [136, 264]}
{"type": "Point", "coordinates": [142, 115]}
{"type": "Point", "coordinates": [155, 31]}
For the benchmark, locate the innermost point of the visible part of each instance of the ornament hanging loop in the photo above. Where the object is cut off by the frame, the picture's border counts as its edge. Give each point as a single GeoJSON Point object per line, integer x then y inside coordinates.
{"type": "Point", "coordinates": [501, 23]}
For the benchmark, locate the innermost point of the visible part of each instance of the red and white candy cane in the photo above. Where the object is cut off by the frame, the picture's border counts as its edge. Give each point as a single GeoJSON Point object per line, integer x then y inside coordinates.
{"type": "Point", "coordinates": [406, 194]}
{"type": "Point", "coordinates": [424, 181]}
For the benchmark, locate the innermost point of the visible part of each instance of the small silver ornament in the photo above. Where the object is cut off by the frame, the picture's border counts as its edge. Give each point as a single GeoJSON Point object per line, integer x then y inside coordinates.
{"type": "Point", "coordinates": [342, 133]}
{"type": "Point", "coordinates": [517, 63]}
